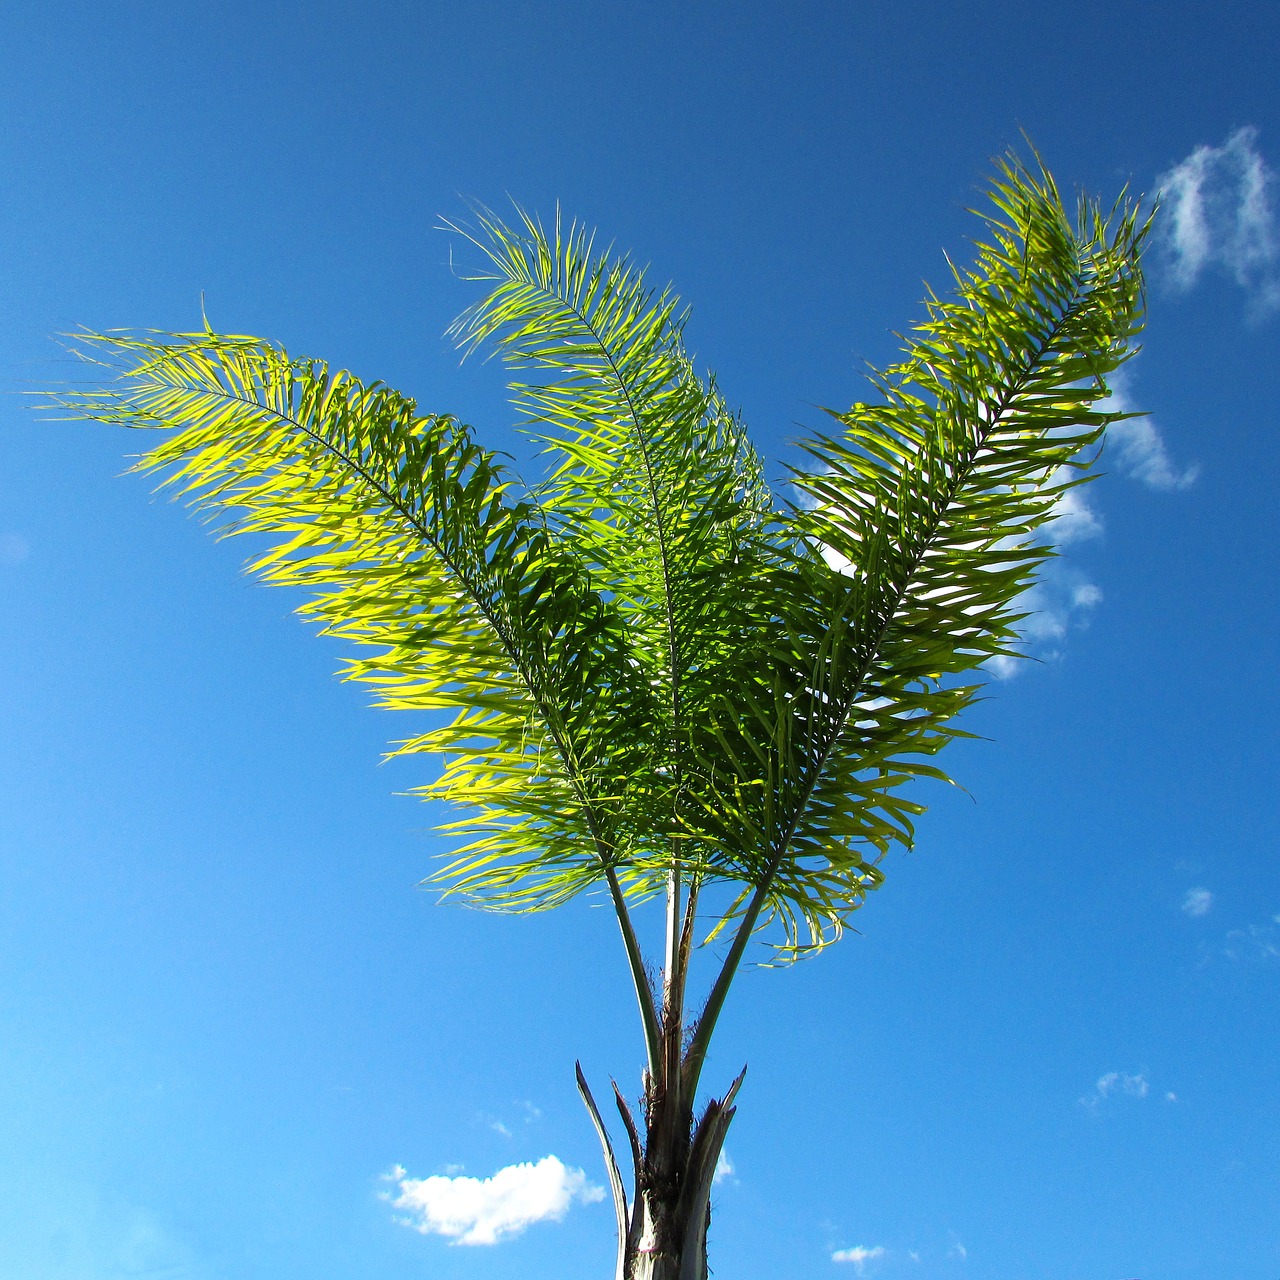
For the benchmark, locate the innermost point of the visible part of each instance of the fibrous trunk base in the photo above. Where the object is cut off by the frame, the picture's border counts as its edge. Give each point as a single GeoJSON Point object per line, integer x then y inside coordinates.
{"type": "Point", "coordinates": [662, 1231]}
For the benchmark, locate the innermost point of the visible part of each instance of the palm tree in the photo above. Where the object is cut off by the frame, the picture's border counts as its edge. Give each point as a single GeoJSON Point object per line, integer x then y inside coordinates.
{"type": "Point", "coordinates": [661, 679]}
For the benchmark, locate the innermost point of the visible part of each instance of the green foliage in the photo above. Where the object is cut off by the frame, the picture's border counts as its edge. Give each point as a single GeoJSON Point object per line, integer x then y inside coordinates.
{"type": "Point", "coordinates": [653, 666]}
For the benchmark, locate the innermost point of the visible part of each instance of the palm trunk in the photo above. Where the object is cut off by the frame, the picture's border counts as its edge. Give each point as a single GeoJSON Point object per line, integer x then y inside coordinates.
{"type": "Point", "coordinates": [662, 1232]}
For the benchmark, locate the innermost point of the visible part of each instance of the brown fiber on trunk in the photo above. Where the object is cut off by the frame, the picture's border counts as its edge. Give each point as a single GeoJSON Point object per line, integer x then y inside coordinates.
{"type": "Point", "coordinates": [662, 1229]}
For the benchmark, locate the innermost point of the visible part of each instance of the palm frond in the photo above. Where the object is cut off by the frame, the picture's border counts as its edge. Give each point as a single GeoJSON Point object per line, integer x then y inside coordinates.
{"type": "Point", "coordinates": [654, 481]}
{"type": "Point", "coordinates": [650, 669]}
{"type": "Point", "coordinates": [922, 525]}
{"type": "Point", "coordinates": [413, 541]}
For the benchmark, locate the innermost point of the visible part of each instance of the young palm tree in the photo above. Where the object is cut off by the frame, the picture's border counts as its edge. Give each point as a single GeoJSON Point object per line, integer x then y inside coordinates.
{"type": "Point", "coordinates": [662, 680]}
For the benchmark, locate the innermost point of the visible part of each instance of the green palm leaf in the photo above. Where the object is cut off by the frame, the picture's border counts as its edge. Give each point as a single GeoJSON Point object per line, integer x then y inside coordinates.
{"type": "Point", "coordinates": [655, 483]}
{"type": "Point", "coordinates": [414, 542]}
{"type": "Point", "coordinates": [655, 672]}
{"type": "Point", "coordinates": [921, 527]}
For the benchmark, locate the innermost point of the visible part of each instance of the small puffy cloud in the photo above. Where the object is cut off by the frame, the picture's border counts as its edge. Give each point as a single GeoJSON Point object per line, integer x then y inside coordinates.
{"type": "Point", "coordinates": [859, 1255]}
{"type": "Point", "coordinates": [1062, 601]}
{"type": "Point", "coordinates": [486, 1210]}
{"type": "Point", "coordinates": [1116, 1084]}
{"type": "Point", "coordinates": [1217, 212]}
{"type": "Point", "coordinates": [1256, 942]}
{"type": "Point", "coordinates": [1171, 1096]}
{"type": "Point", "coordinates": [1137, 446]}
{"type": "Point", "coordinates": [1141, 453]}
{"type": "Point", "coordinates": [724, 1168]}
{"type": "Point", "coordinates": [958, 1250]}
{"type": "Point", "coordinates": [1058, 603]}
{"type": "Point", "coordinates": [1196, 902]}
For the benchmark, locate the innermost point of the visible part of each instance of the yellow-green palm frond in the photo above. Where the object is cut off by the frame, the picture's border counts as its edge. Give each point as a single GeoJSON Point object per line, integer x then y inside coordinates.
{"type": "Point", "coordinates": [413, 542]}
{"type": "Point", "coordinates": [651, 668]}
{"type": "Point", "coordinates": [653, 479]}
{"type": "Point", "coordinates": [921, 527]}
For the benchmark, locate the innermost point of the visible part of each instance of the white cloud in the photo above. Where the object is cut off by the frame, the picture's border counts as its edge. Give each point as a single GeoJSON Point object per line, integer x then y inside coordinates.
{"type": "Point", "coordinates": [1196, 902]}
{"type": "Point", "coordinates": [1141, 453]}
{"type": "Point", "coordinates": [1063, 598]}
{"type": "Point", "coordinates": [1257, 942]}
{"type": "Point", "coordinates": [1116, 1084]}
{"type": "Point", "coordinates": [487, 1210]}
{"type": "Point", "coordinates": [1074, 519]}
{"type": "Point", "coordinates": [859, 1255]}
{"type": "Point", "coordinates": [1171, 1096]}
{"type": "Point", "coordinates": [1057, 602]}
{"type": "Point", "coordinates": [1062, 601]}
{"type": "Point", "coordinates": [724, 1168]}
{"type": "Point", "coordinates": [1217, 212]}
{"type": "Point", "coordinates": [1137, 444]}
{"type": "Point", "coordinates": [958, 1250]}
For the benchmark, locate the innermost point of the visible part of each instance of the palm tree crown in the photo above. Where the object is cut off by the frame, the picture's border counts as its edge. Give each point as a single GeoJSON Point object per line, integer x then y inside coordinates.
{"type": "Point", "coordinates": [661, 677]}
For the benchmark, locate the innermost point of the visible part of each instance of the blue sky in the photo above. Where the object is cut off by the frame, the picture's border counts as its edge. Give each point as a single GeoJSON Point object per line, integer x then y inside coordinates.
{"type": "Point", "coordinates": [230, 1026]}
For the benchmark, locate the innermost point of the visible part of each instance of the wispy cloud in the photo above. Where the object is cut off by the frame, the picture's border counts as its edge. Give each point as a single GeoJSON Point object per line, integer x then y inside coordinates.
{"type": "Point", "coordinates": [724, 1169]}
{"type": "Point", "coordinates": [1116, 1084]}
{"type": "Point", "coordinates": [93, 1237]}
{"type": "Point", "coordinates": [478, 1211]}
{"type": "Point", "coordinates": [1137, 444]}
{"type": "Point", "coordinates": [1062, 601]}
{"type": "Point", "coordinates": [530, 1114]}
{"type": "Point", "coordinates": [958, 1250]}
{"type": "Point", "coordinates": [859, 1255]}
{"type": "Point", "coordinates": [1197, 902]}
{"type": "Point", "coordinates": [1255, 942]}
{"type": "Point", "coordinates": [1074, 519]}
{"type": "Point", "coordinates": [1140, 452]}
{"type": "Point", "coordinates": [1217, 212]}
